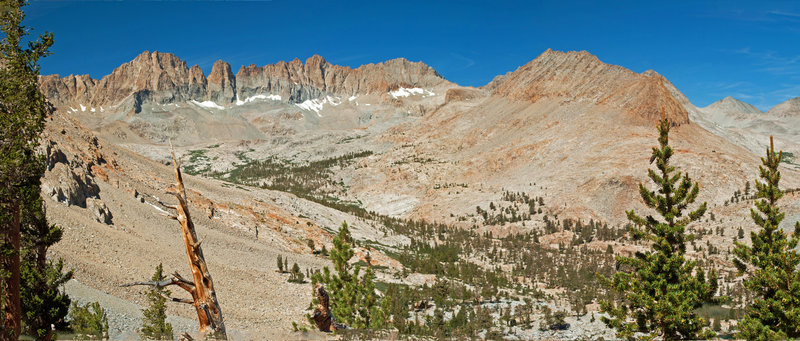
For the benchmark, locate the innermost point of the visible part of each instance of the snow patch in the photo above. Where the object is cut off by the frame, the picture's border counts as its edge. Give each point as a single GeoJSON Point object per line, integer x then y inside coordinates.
{"type": "Point", "coordinates": [157, 208]}
{"type": "Point", "coordinates": [257, 97]}
{"type": "Point", "coordinates": [92, 110]}
{"type": "Point", "coordinates": [83, 107]}
{"type": "Point", "coordinates": [317, 104]}
{"type": "Point", "coordinates": [208, 105]}
{"type": "Point", "coordinates": [352, 98]}
{"type": "Point", "coordinates": [405, 92]}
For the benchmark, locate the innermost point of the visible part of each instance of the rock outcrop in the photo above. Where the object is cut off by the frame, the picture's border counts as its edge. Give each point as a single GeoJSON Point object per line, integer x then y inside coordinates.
{"type": "Point", "coordinates": [221, 83]}
{"type": "Point", "coordinates": [70, 91]}
{"type": "Point", "coordinates": [73, 186]}
{"type": "Point", "coordinates": [580, 76]}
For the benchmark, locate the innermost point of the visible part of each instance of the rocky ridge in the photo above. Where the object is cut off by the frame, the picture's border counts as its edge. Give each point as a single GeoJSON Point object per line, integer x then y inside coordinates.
{"type": "Point", "coordinates": [790, 108]}
{"type": "Point", "coordinates": [582, 77]}
{"type": "Point", "coordinates": [163, 78]}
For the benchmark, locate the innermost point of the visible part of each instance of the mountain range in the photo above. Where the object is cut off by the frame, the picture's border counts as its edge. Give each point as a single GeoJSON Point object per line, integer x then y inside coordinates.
{"type": "Point", "coordinates": [283, 153]}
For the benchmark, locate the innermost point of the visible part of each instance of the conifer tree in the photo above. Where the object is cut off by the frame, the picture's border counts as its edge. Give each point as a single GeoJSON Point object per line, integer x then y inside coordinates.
{"type": "Point", "coordinates": [43, 304]}
{"type": "Point", "coordinates": [23, 109]}
{"type": "Point", "coordinates": [771, 263]}
{"type": "Point", "coordinates": [352, 296]}
{"type": "Point", "coordinates": [661, 289]}
{"type": "Point", "coordinates": [89, 321]}
{"type": "Point", "coordinates": [154, 321]}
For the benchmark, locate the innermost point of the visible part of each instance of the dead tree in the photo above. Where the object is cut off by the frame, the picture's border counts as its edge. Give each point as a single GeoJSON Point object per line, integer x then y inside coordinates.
{"type": "Point", "coordinates": [204, 298]}
{"type": "Point", "coordinates": [322, 313]}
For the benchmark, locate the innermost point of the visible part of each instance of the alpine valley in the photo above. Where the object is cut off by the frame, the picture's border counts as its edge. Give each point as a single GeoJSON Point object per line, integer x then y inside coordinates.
{"type": "Point", "coordinates": [508, 198]}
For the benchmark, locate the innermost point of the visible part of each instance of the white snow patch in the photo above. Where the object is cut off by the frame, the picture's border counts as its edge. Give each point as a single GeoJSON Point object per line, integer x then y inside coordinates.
{"type": "Point", "coordinates": [101, 109]}
{"type": "Point", "coordinates": [93, 110]}
{"type": "Point", "coordinates": [334, 101]}
{"type": "Point", "coordinates": [257, 97]}
{"type": "Point", "coordinates": [208, 105]}
{"type": "Point", "coordinates": [317, 104]}
{"type": "Point", "coordinates": [158, 208]}
{"type": "Point", "coordinates": [352, 98]}
{"type": "Point", "coordinates": [73, 109]}
{"type": "Point", "coordinates": [405, 92]}
{"type": "Point", "coordinates": [83, 107]}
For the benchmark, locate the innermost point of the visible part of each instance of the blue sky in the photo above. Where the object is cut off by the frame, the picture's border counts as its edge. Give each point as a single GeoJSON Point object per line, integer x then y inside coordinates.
{"type": "Point", "coordinates": [709, 50]}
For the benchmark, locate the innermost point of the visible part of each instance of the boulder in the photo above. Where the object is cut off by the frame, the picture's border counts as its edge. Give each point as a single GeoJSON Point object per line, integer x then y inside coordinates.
{"type": "Point", "coordinates": [99, 210]}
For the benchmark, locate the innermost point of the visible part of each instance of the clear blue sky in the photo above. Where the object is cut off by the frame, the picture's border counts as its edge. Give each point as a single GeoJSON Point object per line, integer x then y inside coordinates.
{"type": "Point", "coordinates": [748, 50]}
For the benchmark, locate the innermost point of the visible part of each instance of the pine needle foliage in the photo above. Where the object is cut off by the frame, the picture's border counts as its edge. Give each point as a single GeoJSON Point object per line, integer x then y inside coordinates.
{"type": "Point", "coordinates": [25, 235]}
{"type": "Point", "coordinates": [353, 300]}
{"type": "Point", "coordinates": [89, 321]}
{"type": "Point", "coordinates": [43, 300]}
{"type": "Point", "coordinates": [771, 262]}
{"type": "Point", "coordinates": [661, 289]}
{"type": "Point", "coordinates": [154, 321]}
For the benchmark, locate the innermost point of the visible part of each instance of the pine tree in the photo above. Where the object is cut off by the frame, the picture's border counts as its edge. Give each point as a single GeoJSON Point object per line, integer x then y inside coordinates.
{"type": "Point", "coordinates": [23, 109]}
{"type": "Point", "coordinates": [295, 275]}
{"type": "Point", "coordinates": [43, 303]}
{"type": "Point", "coordinates": [660, 293]}
{"type": "Point", "coordinates": [771, 263]}
{"type": "Point", "coordinates": [352, 296]}
{"type": "Point", "coordinates": [89, 321]}
{"type": "Point", "coordinates": [154, 321]}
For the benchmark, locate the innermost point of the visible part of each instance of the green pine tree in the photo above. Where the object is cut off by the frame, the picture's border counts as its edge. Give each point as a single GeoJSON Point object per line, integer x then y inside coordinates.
{"type": "Point", "coordinates": [89, 321]}
{"type": "Point", "coordinates": [43, 303]}
{"type": "Point", "coordinates": [771, 263]}
{"type": "Point", "coordinates": [28, 281]}
{"type": "Point", "coordinates": [661, 294]}
{"type": "Point", "coordinates": [352, 296]}
{"type": "Point", "coordinates": [154, 321]}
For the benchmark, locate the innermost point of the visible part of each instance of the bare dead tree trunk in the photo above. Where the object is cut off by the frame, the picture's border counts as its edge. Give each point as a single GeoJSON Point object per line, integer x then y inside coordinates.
{"type": "Point", "coordinates": [204, 297]}
{"type": "Point", "coordinates": [12, 311]}
{"type": "Point", "coordinates": [322, 315]}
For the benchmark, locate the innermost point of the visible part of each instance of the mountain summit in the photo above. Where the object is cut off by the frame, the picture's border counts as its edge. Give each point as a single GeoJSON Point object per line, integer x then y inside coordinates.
{"type": "Point", "coordinates": [581, 76]}
{"type": "Point", "coordinates": [733, 106]}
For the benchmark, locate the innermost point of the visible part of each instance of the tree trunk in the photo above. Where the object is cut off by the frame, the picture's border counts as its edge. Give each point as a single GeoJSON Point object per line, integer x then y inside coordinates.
{"type": "Point", "coordinates": [204, 298]}
{"type": "Point", "coordinates": [209, 313]}
{"type": "Point", "coordinates": [10, 285]}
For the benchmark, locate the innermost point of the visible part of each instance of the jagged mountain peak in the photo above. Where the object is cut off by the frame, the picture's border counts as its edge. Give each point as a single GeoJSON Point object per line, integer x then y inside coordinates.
{"type": "Point", "coordinates": [163, 78]}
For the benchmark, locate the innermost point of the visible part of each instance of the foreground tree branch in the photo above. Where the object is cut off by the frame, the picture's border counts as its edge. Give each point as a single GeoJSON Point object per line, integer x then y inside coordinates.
{"type": "Point", "coordinates": [204, 297]}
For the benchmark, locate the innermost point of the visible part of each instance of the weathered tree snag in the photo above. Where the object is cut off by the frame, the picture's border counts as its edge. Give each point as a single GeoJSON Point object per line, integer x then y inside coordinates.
{"type": "Point", "coordinates": [322, 313]}
{"type": "Point", "coordinates": [204, 298]}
